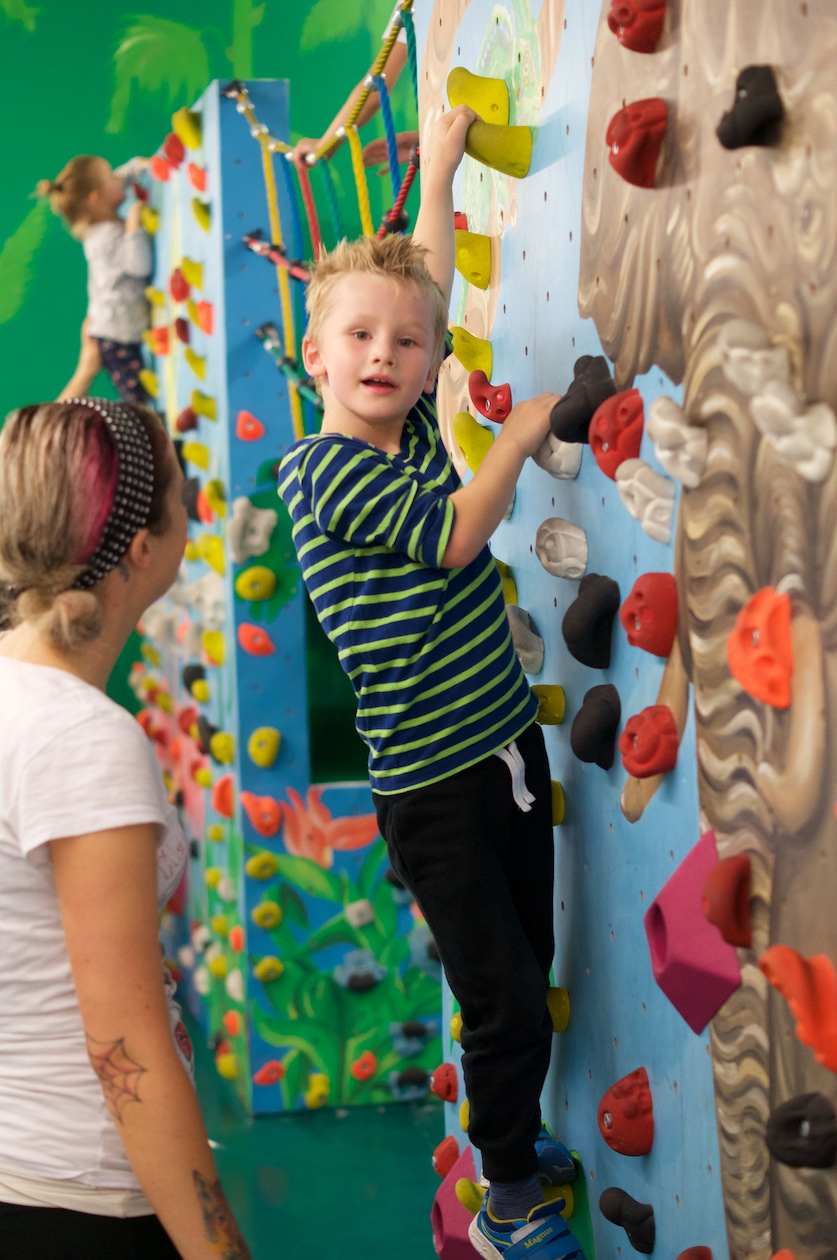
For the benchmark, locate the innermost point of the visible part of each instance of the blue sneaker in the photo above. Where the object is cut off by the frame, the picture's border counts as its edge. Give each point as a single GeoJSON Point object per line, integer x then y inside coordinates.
{"type": "Point", "coordinates": [556, 1166]}
{"type": "Point", "coordinates": [542, 1235]}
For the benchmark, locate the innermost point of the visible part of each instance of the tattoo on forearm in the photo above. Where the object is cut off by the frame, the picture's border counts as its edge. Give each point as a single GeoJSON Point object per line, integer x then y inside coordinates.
{"type": "Point", "coordinates": [118, 1073]}
{"type": "Point", "coordinates": [221, 1230]}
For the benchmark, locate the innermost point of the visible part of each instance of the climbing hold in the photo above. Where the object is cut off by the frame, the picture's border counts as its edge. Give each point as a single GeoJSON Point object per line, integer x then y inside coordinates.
{"type": "Point", "coordinates": [364, 1067]}
{"type": "Point", "coordinates": [802, 1132]}
{"type": "Point", "coordinates": [216, 497]}
{"type": "Point", "coordinates": [149, 382]}
{"type": "Point", "coordinates": [268, 968]}
{"type": "Point", "coordinates": [159, 340]}
{"type": "Point", "coordinates": [444, 1083]}
{"type": "Point", "coordinates": [186, 125]}
{"type": "Point", "coordinates": [178, 285]}
{"type": "Point", "coordinates": [634, 137]}
{"type": "Point", "coordinates": [226, 1064]}
{"type": "Point", "coordinates": [748, 357]}
{"type": "Point", "coordinates": [492, 401]}
{"type": "Point", "coordinates": [508, 582]}
{"type": "Point", "coordinates": [255, 583]}
{"type": "Point", "coordinates": [445, 1155]}
{"type": "Point", "coordinates": [174, 150]}
{"type": "Point", "coordinates": [456, 1026]}
{"type": "Point", "coordinates": [197, 176]}
{"type": "Point", "coordinates": [470, 1195]}
{"type": "Point", "coordinates": [626, 1115]}
{"type": "Point", "coordinates": [263, 746]}
{"type": "Point", "coordinates": [810, 989]}
{"type": "Point", "coordinates": [561, 460]}
{"type": "Point", "coordinates": [637, 24]}
{"type": "Point", "coordinates": [464, 1115]}
{"type": "Point", "coordinates": [159, 168]}
{"type": "Point", "coordinates": [150, 219]}
{"type": "Point", "coordinates": [211, 549]}
{"type": "Point", "coordinates": [201, 313]}
{"type": "Point", "coordinates": [155, 297]}
{"type": "Point", "coordinates": [203, 404]}
{"type": "Point", "coordinates": [505, 149]}
{"type": "Point", "coordinates": [726, 899]}
{"type": "Point", "coordinates": [489, 98]}
{"type": "Point", "coordinates": [474, 353]}
{"type": "Point", "coordinates": [192, 674]}
{"type": "Point", "coordinates": [181, 330]}
{"type": "Point", "coordinates": [205, 731]}
{"type": "Point", "coordinates": [250, 529]}
{"type": "Point", "coordinates": [561, 548]}
{"type": "Point", "coordinates": [695, 968]}
{"type": "Point", "coordinates": [192, 272]}
{"type": "Point", "coordinates": [757, 111]}
{"type": "Point", "coordinates": [317, 1094]}
{"type": "Point", "coordinates": [262, 866]}
{"type": "Point", "coordinates": [212, 642]}
{"type": "Point", "coordinates": [558, 1005]}
{"type": "Point", "coordinates": [473, 258]}
{"type": "Point", "coordinates": [270, 1073]}
{"type": "Point", "coordinates": [236, 932]}
{"type": "Point", "coordinates": [254, 640]}
{"type": "Point", "coordinates": [197, 362]}
{"type": "Point", "coordinates": [551, 704]}
{"type": "Point", "coordinates": [760, 648]}
{"type": "Point", "coordinates": [591, 385]}
{"type": "Point", "coordinates": [187, 717]}
{"type": "Point", "coordinates": [637, 1219]}
{"type": "Point", "coordinates": [222, 748]}
{"type": "Point", "coordinates": [558, 802]}
{"type": "Point", "coordinates": [527, 644]}
{"type": "Point", "coordinates": [473, 439]}
{"type": "Point", "coordinates": [201, 211]}
{"type": "Point", "coordinates": [216, 833]}
{"type": "Point", "coordinates": [649, 742]}
{"type": "Point", "coordinates": [248, 428]}
{"type": "Point", "coordinates": [264, 812]}
{"type": "Point", "coordinates": [805, 436]}
{"type": "Point", "coordinates": [232, 1022]}
{"type": "Point", "coordinates": [588, 622]}
{"type": "Point", "coordinates": [649, 614]}
{"type": "Point", "coordinates": [680, 447]}
{"type": "Point", "coordinates": [696, 1253]}
{"type": "Point", "coordinates": [648, 496]}
{"type": "Point", "coordinates": [615, 432]}
{"type": "Point", "coordinates": [186, 421]}
{"type": "Point", "coordinates": [202, 776]}
{"type": "Point", "coordinates": [593, 732]}
{"type": "Point", "coordinates": [222, 796]}
{"type": "Point", "coordinates": [267, 914]}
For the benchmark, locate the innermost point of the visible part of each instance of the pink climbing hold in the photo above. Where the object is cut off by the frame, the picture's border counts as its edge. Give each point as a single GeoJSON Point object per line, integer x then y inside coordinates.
{"type": "Point", "coordinates": [450, 1219]}
{"type": "Point", "coordinates": [809, 986]}
{"type": "Point", "coordinates": [248, 428]}
{"type": "Point", "coordinates": [695, 968]}
{"type": "Point", "coordinates": [492, 401]}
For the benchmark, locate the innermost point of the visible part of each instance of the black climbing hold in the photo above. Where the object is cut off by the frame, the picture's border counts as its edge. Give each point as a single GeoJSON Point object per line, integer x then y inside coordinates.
{"type": "Point", "coordinates": [588, 622]}
{"type": "Point", "coordinates": [191, 490]}
{"type": "Point", "coordinates": [205, 732]}
{"type": "Point", "coordinates": [591, 385]}
{"type": "Point", "coordinates": [756, 113]}
{"type": "Point", "coordinates": [593, 733]}
{"type": "Point", "coordinates": [637, 1219]}
{"type": "Point", "coordinates": [192, 674]}
{"type": "Point", "coordinates": [414, 1076]}
{"type": "Point", "coordinates": [802, 1132]}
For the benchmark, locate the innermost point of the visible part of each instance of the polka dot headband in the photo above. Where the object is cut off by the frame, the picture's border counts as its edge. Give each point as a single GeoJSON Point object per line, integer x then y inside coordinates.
{"type": "Point", "coordinates": [134, 488]}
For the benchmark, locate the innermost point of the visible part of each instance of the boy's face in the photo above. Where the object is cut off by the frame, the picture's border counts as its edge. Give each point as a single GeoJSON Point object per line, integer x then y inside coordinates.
{"type": "Point", "coordinates": [373, 356]}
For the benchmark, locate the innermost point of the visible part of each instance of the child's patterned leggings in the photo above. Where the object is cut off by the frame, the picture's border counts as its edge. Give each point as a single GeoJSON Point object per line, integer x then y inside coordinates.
{"type": "Point", "coordinates": [123, 363]}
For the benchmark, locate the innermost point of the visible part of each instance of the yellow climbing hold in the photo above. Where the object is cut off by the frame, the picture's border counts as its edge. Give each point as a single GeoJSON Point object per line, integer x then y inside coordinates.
{"type": "Point", "coordinates": [506, 149]}
{"type": "Point", "coordinates": [191, 551]}
{"type": "Point", "coordinates": [151, 654]}
{"type": "Point", "coordinates": [268, 968]}
{"type": "Point", "coordinates": [473, 439]}
{"type": "Point", "coordinates": [203, 777]}
{"type": "Point", "coordinates": [227, 1066]}
{"type": "Point", "coordinates": [469, 1194]}
{"type": "Point", "coordinates": [267, 914]}
{"type": "Point", "coordinates": [557, 803]}
{"type": "Point", "coordinates": [212, 642]}
{"type": "Point", "coordinates": [212, 876]}
{"type": "Point", "coordinates": [319, 1087]}
{"type": "Point", "coordinates": [473, 257]}
{"type": "Point", "coordinates": [192, 272]}
{"type": "Point", "coordinates": [216, 497]}
{"type": "Point", "coordinates": [155, 296]}
{"type": "Point", "coordinates": [507, 579]}
{"type": "Point", "coordinates": [211, 549]}
{"type": "Point", "coordinates": [551, 704]}
{"type": "Point", "coordinates": [197, 362]}
{"type": "Point", "coordinates": [200, 689]}
{"type": "Point", "coordinates": [464, 1115]}
{"type": "Point", "coordinates": [487, 97]}
{"type": "Point", "coordinates": [262, 865]}
{"type": "Point", "coordinates": [150, 219]}
{"type": "Point", "coordinates": [263, 746]}
{"type": "Point", "coordinates": [196, 453]}
{"type": "Point", "coordinates": [201, 212]}
{"type": "Point", "coordinates": [257, 582]}
{"type": "Point", "coordinates": [215, 832]}
{"type": "Point", "coordinates": [164, 702]}
{"type": "Point", "coordinates": [456, 1026]}
{"type": "Point", "coordinates": [186, 125]}
{"type": "Point", "coordinates": [222, 747]}
{"type": "Point", "coordinates": [558, 1004]}
{"type": "Point", "coordinates": [474, 353]}
{"type": "Point", "coordinates": [219, 924]}
{"type": "Point", "coordinates": [149, 382]}
{"type": "Point", "coordinates": [203, 405]}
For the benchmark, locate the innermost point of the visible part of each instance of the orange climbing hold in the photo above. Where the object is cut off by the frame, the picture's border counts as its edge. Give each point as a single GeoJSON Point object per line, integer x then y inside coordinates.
{"type": "Point", "coordinates": [159, 168]}
{"type": "Point", "coordinates": [270, 1074]}
{"type": "Point", "coordinates": [205, 316]}
{"type": "Point", "coordinates": [809, 986]}
{"type": "Point", "coordinates": [248, 428]}
{"type": "Point", "coordinates": [264, 813]}
{"type": "Point", "coordinates": [197, 176]}
{"type": "Point", "coordinates": [222, 798]}
{"type": "Point", "coordinates": [255, 641]}
{"type": "Point", "coordinates": [760, 649]}
{"type": "Point", "coordinates": [726, 899]}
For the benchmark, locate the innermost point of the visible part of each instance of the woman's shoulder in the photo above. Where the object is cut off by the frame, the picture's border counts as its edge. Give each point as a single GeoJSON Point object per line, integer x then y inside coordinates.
{"type": "Point", "coordinates": [41, 703]}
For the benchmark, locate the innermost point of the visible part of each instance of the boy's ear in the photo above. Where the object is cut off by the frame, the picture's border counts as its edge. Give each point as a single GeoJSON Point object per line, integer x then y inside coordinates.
{"type": "Point", "coordinates": [430, 384]}
{"type": "Point", "coordinates": [311, 358]}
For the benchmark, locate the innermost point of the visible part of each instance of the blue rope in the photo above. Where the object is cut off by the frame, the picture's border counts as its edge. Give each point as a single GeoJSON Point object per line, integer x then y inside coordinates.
{"type": "Point", "coordinates": [389, 129]}
{"type": "Point", "coordinates": [297, 249]}
{"type": "Point", "coordinates": [407, 22]}
{"type": "Point", "coordinates": [331, 198]}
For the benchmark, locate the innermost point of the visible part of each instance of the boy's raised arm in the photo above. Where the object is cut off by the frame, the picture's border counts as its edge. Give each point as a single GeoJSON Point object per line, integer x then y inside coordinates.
{"type": "Point", "coordinates": [434, 224]}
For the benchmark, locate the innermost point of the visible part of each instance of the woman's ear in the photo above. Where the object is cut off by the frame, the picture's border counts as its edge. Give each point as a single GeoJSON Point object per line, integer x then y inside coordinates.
{"type": "Point", "coordinates": [139, 552]}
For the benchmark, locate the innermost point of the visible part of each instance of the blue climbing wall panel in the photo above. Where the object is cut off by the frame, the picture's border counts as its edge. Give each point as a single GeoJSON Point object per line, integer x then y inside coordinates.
{"type": "Point", "coordinates": [608, 871]}
{"type": "Point", "coordinates": [307, 968]}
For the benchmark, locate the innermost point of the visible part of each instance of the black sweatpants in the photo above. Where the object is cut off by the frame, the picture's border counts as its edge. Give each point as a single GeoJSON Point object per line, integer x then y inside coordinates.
{"type": "Point", "coordinates": [481, 871]}
{"type": "Point", "coordinates": [46, 1233]}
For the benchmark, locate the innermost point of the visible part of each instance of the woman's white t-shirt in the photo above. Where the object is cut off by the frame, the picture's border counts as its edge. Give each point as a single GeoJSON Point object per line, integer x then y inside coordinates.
{"type": "Point", "coordinates": [71, 762]}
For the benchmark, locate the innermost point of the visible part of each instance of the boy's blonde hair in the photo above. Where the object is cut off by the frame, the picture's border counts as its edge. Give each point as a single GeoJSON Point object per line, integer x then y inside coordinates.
{"type": "Point", "coordinates": [395, 256]}
{"type": "Point", "coordinates": [69, 193]}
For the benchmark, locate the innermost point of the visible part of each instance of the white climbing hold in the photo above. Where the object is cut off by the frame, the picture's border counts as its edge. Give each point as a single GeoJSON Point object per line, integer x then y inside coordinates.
{"type": "Point", "coordinates": [648, 496]}
{"type": "Point", "coordinates": [680, 447]}
{"type": "Point", "coordinates": [806, 438]}
{"type": "Point", "coordinates": [527, 644]}
{"type": "Point", "coordinates": [560, 459]}
{"type": "Point", "coordinates": [561, 548]}
{"type": "Point", "coordinates": [748, 359]}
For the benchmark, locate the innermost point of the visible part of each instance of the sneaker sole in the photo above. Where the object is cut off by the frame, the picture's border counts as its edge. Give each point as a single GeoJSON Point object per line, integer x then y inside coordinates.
{"type": "Point", "coordinates": [482, 1244]}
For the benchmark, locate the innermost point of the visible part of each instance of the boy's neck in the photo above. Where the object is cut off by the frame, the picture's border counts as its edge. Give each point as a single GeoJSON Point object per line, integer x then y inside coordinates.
{"type": "Point", "coordinates": [386, 436]}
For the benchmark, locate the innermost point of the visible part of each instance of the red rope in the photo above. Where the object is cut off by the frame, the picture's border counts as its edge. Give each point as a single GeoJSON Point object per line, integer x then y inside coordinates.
{"type": "Point", "coordinates": [311, 212]}
{"type": "Point", "coordinates": [392, 217]}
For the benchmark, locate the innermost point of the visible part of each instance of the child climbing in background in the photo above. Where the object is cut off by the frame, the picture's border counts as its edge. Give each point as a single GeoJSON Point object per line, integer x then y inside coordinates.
{"type": "Point", "coordinates": [87, 195]}
{"type": "Point", "coordinates": [393, 551]}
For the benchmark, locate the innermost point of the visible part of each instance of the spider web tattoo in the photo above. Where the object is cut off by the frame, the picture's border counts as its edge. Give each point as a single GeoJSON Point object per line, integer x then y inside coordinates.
{"type": "Point", "coordinates": [221, 1230]}
{"type": "Point", "coordinates": [118, 1073]}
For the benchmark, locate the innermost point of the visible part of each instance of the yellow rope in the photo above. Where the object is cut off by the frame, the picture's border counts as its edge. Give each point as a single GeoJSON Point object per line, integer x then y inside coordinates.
{"type": "Point", "coordinates": [360, 181]}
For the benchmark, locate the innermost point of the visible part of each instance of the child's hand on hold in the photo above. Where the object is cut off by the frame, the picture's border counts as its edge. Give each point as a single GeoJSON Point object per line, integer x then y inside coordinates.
{"type": "Point", "coordinates": [447, 141]}
{"type": "Point", "coordinates": [527, 423]}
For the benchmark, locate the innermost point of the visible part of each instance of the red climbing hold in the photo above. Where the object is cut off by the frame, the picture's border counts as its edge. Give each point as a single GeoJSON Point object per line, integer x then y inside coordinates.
{"type": "Point", "coordinates": [264, 813]}
{"type": "Point", "coordinates": [181, 329]}
{"type": "Point", "coordinates": [760, 649]}
{"type": "Point", "coordinates": [160, 339]}
{"type": "Point", "coordinates": [174, 149]}
{"type": "Point", "coordinates": [810, 989]}
{"type": "Point", "coordinates": [648, 743]}
{"type": "Point", "coordinates": [649, 614]}
{"type": "Point", "coordinates": [626, 1115]}
{"type": "Point", "coordinates": [222, 796]}
{"type": "Point", "coordinates": [178, 285]}
{"type": "Point", "coordinates": [206, 512]}
{"type": "Point", "coordinates": [444, 1083]}
{"type": "Point", "coordinates": [254, 640]}
{"type": "Point", "coordinates": [634, 137]}
{"type": "Point", "coordinates": [492, 401]}
{"type": "Point", "coordinates": [186, 420]}
{"type": "Point", "coordinates": [187, 717]}
{"type": "Point", "coordinates": [270, 1073]}
{"type": "Point", "coordinates": [197, 177]}
{"type": "Point", "coordinates": [460, 221]}
{"type": "Point", "coordinates": [445, 1155]}
{"type": "Point", "coordinates": [159, 168]}
{"type": "Point", "coordinates": [697, 1253]}
{"type": "Point", "coordinates": [637, 24]}
{"type": "Point", "coordinates": [726, 899]}
{"type": "Point", "coordinates": [248, 428]}
{"type": "Point", "coordinates": [615, 432]}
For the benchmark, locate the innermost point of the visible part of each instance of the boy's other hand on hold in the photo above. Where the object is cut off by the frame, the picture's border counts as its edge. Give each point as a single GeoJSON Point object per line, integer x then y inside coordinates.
{"type": "Point", "coordinates": [528, 422]}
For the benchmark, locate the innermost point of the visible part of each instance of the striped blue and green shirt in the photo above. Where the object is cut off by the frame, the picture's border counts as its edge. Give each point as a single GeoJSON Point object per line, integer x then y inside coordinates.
{"type": "Point", "coordinates": [428, 650]}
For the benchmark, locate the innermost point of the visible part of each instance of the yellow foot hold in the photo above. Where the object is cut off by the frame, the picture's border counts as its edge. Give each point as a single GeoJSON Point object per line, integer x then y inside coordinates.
{"type": "Point", "coordinates": [558, 1004]}
{"type": "Point", "coordinates": [506, 149]}
{"type": "Point", "coordinates": [196, 362]}
{"type": "Point", "coordinates": [550, 1193]}
{"type": "Point", "coordinates": [464, 1115]}
{"type": "Point", "coordinates": [557, 803]}
{"type": "Point", "coordinates": [469, 1194]}
{"type": "Point", "coordinates": [158, 298]}
{"type": "Point", "coordinates": [186, 125]}
{"type": "Point", "coordinates": [201, 212]}
{"type": "Point", "coordinates": [196, 453]}
{"type": "Point", "coordinates": [551, 704]}
{"type": "Point", "coordinates": [487, 97]}
{"type": "Point", "coordinates": [509, 584]}
{"type": "Point", "coordinates": [203, 405]}
{"type": "Point", "coordinates": [150, 219]}
{"type": "Point", "coordinates": [473, 440]}
{"type": "Point", "coordinates": [473, 257]}
{"type": "Point", "coordinates": [473, 353]}
{"type": "Point", "coordinates": [192, 272]}
{"type": "Point", "coordinates": [149, 382]}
